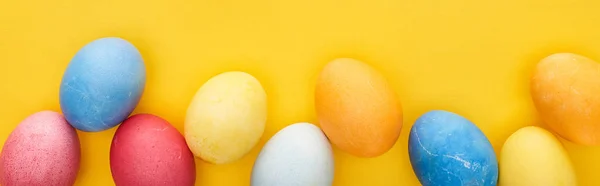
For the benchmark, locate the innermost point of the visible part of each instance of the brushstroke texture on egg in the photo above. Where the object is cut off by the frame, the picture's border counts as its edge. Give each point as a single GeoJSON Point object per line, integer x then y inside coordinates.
{"type": "Point", "coordinates": [533, 156]}
{"type": "Point", "coordinates": [357, 109]}
{"type": "Point", "coordinates": [147, 151]}
{"type": "Point", "coordinates": [565, 90]}
{"type": "Point", "coordinates": [299, 154]}
{"type": "Point", "coordinates": [226, 117]}
{"type": "Point", "coordinates": [447, 149]}
{"type": "Point", "coordinates": [102, 84]}
{"type": "Point", "coordinates": [43, 150]}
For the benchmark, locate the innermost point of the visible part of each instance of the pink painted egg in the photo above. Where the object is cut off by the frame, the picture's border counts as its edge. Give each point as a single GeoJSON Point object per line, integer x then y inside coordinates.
{"type": "Point", "coordinates": [43, 150]}
{"type": "Point", "coordinates": [147, 151]}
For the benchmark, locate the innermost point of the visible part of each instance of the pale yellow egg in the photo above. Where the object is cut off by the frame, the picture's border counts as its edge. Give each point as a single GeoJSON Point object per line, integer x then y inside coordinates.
{"type": "Point", "coordinates": [226, 117]}
{"type": "Point", "coordinates": [533, 156]}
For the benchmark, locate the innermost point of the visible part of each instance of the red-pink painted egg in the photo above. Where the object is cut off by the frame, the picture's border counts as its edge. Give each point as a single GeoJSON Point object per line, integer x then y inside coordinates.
{"type": "Point", "coordinates": [43, 150]}
{"type": "Point", "coordinates": [147, 151]}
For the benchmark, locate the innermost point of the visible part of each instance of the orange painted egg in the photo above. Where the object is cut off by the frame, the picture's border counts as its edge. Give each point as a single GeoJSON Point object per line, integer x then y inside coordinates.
{"type": "Point", "coordinates": [565, 88]}
{"type": "Point", "coordinates": [357, 108]}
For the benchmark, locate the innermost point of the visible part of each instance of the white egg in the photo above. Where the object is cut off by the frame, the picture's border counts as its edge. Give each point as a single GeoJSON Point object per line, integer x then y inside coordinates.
{"type": "Point", "coordinates": [297, 155]}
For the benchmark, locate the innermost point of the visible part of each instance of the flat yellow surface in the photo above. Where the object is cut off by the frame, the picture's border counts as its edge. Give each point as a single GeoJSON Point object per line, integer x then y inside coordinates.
{"type": "Point", "coordinates": [472, 57]}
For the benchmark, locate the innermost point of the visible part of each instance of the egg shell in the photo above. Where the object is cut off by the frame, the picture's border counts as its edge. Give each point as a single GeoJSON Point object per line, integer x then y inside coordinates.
{"type": "Point", "coordinates": [297, 155]}
{"type": "Point", "coordinates": [147, 151]}
{"type": "Point", "coordinates": [357, 108]}
{"type": "Point", "coordinates": [43, 150]}
{"type": "Point", "coordinates": [565, 90]}
{"type": "Point", "coordinates": [447, 149]}
{"type": "Point", "coordinates": [226, 117]}
{"type": "Point", "coordinates": [533, 156]}
{"type": "Point", "coordinates": [102, 84]}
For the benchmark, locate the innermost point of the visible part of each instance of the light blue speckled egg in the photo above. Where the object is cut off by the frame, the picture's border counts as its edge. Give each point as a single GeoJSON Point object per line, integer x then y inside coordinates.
{"type": "Point", "coordinates": [447, 149]}
{"type": "Point", "coordinates": [297, 155]}
{"type": "Point", "coordinates": [102, 85]}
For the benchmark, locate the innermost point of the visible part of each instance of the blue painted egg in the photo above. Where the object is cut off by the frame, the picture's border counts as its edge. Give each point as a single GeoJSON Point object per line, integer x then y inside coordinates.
{"type": "Point", "coordinates": [299, 154]}
{"type": "Point", "coordinates": [102, 84]}
{"type": "Point", "coordinates": [447, 149]}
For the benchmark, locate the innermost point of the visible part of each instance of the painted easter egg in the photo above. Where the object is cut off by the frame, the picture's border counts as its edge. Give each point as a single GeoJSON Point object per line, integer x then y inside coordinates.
{"type": "Point", "coordinates": [298, 154]}
{"type": "Point", "coordinates": [147, 150]}
{"type": "Point", "coordinates": [447, 149]}
{"type": "Point", "coordinates": [43, 150]}
{"type": "Point", "coordinates": [565, 90]}
{"type": "Point", "coordinates": [102, 85]}
{"type": "Point", "coordinates": [357, 109]}
{"type": "Point", "coordinates": [226, 117]}
{"type": "Point", "coordinates": [533, 156]}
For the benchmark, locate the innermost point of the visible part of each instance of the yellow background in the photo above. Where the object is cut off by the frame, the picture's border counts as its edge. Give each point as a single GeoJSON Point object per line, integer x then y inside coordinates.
{"type": "Point", "coordinates": [472, 57]}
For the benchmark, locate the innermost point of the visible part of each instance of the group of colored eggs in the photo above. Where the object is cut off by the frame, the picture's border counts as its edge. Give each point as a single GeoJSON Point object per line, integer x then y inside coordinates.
{"type": "Point", "coordinates": [357, 110]}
